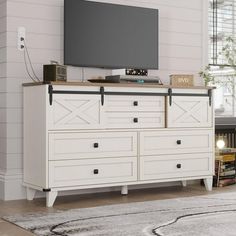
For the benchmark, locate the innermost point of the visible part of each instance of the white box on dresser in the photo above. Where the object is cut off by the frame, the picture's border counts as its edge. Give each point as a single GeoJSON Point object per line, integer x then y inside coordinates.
{"type": "Point", "coordinates": [82, 135]}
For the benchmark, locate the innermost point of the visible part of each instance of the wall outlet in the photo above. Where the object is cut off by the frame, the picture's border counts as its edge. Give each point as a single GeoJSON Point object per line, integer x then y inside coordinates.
{"type": "Point", "coordinates": [21, 38]}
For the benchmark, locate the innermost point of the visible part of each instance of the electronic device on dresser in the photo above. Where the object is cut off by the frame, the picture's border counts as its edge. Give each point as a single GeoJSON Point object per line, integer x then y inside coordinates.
{"type": "Point", "coordinates": [54, 72]}
{"type": "Point", "coordinates": [141, 72]}
{"type": "Point", "coordinates": [133, 79]}
{"type": "Point", "coordinates": [133, 76]}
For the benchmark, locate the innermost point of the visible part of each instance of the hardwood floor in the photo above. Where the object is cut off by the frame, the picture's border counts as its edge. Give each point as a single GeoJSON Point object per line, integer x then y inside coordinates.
{"type": "Point", "coordinates": [98, 199]}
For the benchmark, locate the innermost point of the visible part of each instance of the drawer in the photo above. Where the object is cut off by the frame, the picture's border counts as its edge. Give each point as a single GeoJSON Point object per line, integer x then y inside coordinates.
{"type": "Point", "coordinates": [175, 166]}
{"type": "Point", "coordinates": [174, 142]}
{"type": "Point", "coordinates": [93, 171]}
{"type": "Point", "coordinates": [134, 103]}
{"type": "Point", "coordinates": [135, 119]}
{"type": "Point", "coordinates": [64, 146]}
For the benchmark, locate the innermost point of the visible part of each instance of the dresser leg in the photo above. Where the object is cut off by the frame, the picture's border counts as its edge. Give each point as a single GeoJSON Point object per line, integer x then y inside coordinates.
{"type": "Point", "coordinates": [50, 198]}
{"type": "Point", "coordinates": [208, 183]}
{"type": "Point", "coordinates": [30, 193]}
{"type": "Point", "coordinates": [124, 190]}
{"type": "Point", "coordinates": [184, 183]}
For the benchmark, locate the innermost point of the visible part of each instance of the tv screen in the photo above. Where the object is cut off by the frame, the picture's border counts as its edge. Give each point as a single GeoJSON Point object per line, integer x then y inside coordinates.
{"type": "Point", "coordinates": [110, 36]}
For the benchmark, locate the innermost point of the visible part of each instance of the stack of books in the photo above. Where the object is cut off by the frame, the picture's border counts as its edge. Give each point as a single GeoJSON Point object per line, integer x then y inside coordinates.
{"type": "Point", "coordinates": [225, 171]}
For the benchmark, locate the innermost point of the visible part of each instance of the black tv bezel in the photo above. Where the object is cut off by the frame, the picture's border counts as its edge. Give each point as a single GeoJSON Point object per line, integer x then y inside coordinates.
{"type": "Point", "coordinates": [110, 66]}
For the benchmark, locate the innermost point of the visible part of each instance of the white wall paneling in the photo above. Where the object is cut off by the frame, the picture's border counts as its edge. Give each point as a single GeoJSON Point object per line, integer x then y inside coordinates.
{"type": "Point", "coordinates": [3, 70]}
{"type": "Point", "coordinates": [3, 6]}
{"type": "Point", "coordinates": [3, 55]}
{"type": "Point", "coordinates": [12, 130]}
{"type": "Point", "coordinates": [3, 112]}
{"type": "Point", "coordinates": [3, 24]}
{"type": "Point", "coordinates": [2, 183]}
{"type": "Point", "coordinates": [183, 48]}
{"type": "Point", "coordinates": [37, 41]}
{"type": "Point", "coordinates": [205, 32]}
{"type": "Point", "coordinates": [34, 10]}
{"type": "Point", "coordinates": [3, 39]}
{"type": "Point", "coordinates": [11, 115]}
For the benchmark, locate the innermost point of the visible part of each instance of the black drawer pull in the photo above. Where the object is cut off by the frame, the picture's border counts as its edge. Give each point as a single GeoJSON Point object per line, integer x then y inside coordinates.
{"type": "Point", "coordinates": [178, 166]}
{"type": "Point", "coordinates": [178, 142]}
{"type": "Point", "coordinates": [135, 120]}
{"type": "Point", "coordinates": [96, 171]}
{"type": "Point", "coordinates": [135, 103]}
{"type": "Point", "coordinates": [95, 145]}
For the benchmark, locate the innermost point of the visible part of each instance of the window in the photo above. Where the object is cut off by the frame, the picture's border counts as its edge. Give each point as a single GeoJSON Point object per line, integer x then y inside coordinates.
{"type": "Point", "coordinates": [222, 23]}
{"type": "Point", "coordinates": [222, 17]}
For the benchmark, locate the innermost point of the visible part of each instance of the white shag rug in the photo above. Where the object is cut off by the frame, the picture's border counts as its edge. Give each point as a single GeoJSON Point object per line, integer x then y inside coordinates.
{"type": "Point", "coordinates": [208, 215]}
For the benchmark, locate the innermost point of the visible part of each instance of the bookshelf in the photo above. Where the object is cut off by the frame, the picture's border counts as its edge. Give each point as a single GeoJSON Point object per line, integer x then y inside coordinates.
{"type": "Point", "coordinates": [225, 167]}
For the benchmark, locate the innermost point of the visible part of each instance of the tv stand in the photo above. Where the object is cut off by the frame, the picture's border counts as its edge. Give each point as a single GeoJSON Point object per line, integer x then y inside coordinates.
{"type": "Point", "coordinates": [85, 135]}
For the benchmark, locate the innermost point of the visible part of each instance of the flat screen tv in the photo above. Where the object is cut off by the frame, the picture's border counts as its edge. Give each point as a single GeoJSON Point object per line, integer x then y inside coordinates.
{"type": "Point", "coordinates": [110, 36]}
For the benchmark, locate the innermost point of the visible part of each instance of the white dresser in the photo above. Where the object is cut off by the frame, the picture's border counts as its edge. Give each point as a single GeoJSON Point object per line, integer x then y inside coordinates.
{"type": "Point", "coordinates": [82, 135]}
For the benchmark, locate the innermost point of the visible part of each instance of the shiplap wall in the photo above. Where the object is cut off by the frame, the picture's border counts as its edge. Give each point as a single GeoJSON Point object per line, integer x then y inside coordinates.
{"type": "Point", "coordinates": [3, 59]}
{"type": "Point", "coordinates": [182, 50]}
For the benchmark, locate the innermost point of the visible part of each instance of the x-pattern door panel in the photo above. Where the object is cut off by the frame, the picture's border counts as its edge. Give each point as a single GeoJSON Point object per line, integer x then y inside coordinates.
{"type": "Point", "coordinates": [75, 111]}
{"type": "Point", "coordinates": [189, 112]}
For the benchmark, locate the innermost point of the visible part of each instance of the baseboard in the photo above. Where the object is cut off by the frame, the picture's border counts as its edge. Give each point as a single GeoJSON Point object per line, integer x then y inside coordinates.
{"type": "Point", "coordinates": [2, 186]}
{"type": "Point", "coordinates": [11, 187]}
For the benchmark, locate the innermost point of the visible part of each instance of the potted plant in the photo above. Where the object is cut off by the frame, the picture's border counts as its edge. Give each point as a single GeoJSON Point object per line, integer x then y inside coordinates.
{"type": "Point", "coordinates": [207, 76]}
{"type": "Point", "coordinates": [228, 54]}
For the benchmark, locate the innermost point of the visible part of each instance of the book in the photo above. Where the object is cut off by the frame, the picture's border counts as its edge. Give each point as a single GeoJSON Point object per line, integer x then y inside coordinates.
{"type": "Point", "coordinates": [226, 150]}
{"type": "Point", "coordinates": [226, 173]}
{"type": "Point", "coordinates": [225, 168]}
{"type": "Point", "coordinates": [227, 177]}
{"type": "Point", "coordinates": [230, 166]}
{"type": "Point", "coordinates": [226, 157]}
{"type": "Point", "coordinates": [226, 182]}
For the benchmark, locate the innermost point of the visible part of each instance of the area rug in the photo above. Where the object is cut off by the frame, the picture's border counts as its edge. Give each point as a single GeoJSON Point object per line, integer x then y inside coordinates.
{"type": "Point", "coordinates": [208, 215]}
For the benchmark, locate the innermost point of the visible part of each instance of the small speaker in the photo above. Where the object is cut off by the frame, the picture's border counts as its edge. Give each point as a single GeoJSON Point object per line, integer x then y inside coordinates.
{"type": "Point", "coordinates": [54, 72]}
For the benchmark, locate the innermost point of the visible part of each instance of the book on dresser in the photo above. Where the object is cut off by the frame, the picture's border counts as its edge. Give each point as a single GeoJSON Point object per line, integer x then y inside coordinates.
{"type": "Point", "coordinates": [225, 168]}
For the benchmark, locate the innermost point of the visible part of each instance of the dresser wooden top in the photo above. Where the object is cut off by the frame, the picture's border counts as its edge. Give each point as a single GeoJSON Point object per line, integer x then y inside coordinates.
{"type": "Point", "coordinates": [147, 85]}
